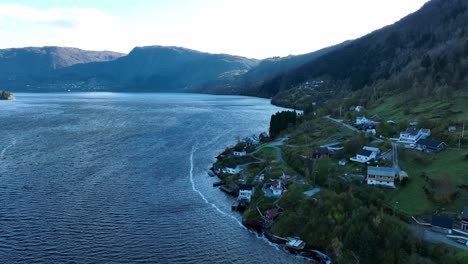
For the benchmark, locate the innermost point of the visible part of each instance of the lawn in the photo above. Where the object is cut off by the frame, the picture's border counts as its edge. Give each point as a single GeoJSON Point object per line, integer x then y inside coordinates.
{"type": "Point", "coordinates": [449, 163]}
{"type": "Point", "coordinates": [267, 153]}
{"type": "Point", "coordinates": [318, 132]}
{"type": "Point", "coordinates": [392, 108]}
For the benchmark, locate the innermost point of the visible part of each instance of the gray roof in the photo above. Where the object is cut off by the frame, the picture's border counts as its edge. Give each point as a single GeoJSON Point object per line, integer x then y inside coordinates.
{"type": "Point", "coordinates": [247, 187]}
{"type": "Point", "coordinates": [364, 152]}
{"type": "Point", "coordinates": [434, 144]}
{"type": "Point", "coordinates": [381, 171]}
{"type": "Point", "coordinates": [231, 165]}
{"type": "Point", "coordinates": [411, 131]}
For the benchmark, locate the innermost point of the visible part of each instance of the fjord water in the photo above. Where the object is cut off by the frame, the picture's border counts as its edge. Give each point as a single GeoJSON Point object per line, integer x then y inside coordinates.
{"type": "Point", "coordinates": [122, 178]}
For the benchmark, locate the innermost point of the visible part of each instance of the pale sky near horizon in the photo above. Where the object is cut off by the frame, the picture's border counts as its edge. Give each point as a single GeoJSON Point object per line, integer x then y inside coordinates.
{"type": "Point", "coordinates": [250, 28]}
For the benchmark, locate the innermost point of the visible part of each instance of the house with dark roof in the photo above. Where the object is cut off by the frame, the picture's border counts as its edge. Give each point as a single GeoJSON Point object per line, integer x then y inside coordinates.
{"type": "Point", "coordinates": [277, 188]}
{"type": "Point", "coordinates": [431, 146]}
{"type": "Point", "coordinates": [412, 135]}
{"type": "Point", "coordinates": [464, 219]}
{"type": "Point", "coordinates": [441, 224]}
{"type": "Point", "coordinates": [362, 120]}
{"type": "Point", "coordinates": [272, 214]}
{"type": "Point", "coordinates": [264, 137]}
{"type": "Point", "coordinates": [231, 168]}
{"type": "Point", "coordinates": [376, 119]}
{"type": "Point", "coordinates": [366, 154]}
{"type": "Point", "coordinates": [246, 191]}
{"type": "Point", "coordinates": [384, 176]}
{"type": "Point", "coordinates": [321, 152]}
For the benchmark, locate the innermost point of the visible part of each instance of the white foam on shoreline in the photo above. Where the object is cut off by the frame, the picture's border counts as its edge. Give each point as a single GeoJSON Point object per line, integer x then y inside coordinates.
{"type": "Point", "coordinates": [194, 188]}
{"type": "Point", "coordinates": [201, 194]}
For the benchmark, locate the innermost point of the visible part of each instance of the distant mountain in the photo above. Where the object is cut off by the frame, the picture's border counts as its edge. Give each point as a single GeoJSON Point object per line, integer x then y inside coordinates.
{"type": "Point", "coordinates": [158, 68]}
{"type": "Point", "coordinates": [19, 66]}
{"type": "Point", "coordinates": [153, 68]}
{"type": "Point", "coordinates": [418, 55]}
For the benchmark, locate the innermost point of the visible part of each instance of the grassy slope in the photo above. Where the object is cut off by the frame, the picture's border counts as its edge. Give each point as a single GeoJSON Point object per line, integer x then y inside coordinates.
{"type": "Point", "coordinates": [391, 108]}
{"type": "Point", "coordinates": [412, 198]}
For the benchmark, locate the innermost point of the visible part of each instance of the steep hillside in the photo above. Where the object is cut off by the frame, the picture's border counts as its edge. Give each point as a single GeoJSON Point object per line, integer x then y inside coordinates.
{"type": "Point", "coordinates": [424, 54]}
{"type": "Point", "coordinates": [248, 83]}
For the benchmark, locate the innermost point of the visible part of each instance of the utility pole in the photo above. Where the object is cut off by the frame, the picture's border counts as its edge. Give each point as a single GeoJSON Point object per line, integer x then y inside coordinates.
{"type": "Point", "coordinates": [461, 136]}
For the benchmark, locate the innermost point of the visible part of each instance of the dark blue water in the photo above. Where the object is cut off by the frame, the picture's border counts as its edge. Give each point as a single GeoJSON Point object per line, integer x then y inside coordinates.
{"type": "Point", "coordinates": [121, 178]}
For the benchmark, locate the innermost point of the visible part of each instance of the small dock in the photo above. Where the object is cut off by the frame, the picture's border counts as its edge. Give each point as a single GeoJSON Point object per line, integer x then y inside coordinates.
{"type": "Point", "coordinates": [238, 206]}
{"type": "Point", "coordinates": [218, 183]}
{"type": "Point", "coordinates": [227, 190]}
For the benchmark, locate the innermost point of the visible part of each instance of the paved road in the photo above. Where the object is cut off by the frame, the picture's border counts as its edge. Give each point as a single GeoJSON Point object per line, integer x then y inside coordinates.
{"type": "Point", "coordinates": [432, 236]}
{"type": "Point", "coordinates": [437, 237]}
{"type": "Point", "coordinates": [339, 121]}
{"type": "Point", "coordinates": [276, 145]}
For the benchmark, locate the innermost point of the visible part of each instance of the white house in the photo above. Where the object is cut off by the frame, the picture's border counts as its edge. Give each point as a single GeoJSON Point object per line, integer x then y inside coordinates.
{"type": "Point", "coordinates": [240, 153]}
{"type": "Point", "coordinates": [412, 135]}
{"type": "Point", "coordinates": [259, 178]}
{"type": "Point", "coordinates": [384, 176]}
{"type": "Point", "coordinates": [252, 140]}
{"type": "Point", "coordinates": [231, 169]}
{"type": "Point", "coordinates": [342, 162]}
{"type": "Point", "coordinates": [246, 192]}
{"type": "Point", "coordinates": [278, 188]}
{"type": "Point", "coordinates": [366, 154]}
{"type": "Point", "coordinates": [371, 131]}
{"type": "Point", "coordinates": [362, 120]}
{"type": "Point", "coordinates": [359, 108]}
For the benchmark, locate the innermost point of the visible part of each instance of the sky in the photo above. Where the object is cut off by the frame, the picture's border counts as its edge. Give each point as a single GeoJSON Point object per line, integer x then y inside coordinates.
{"type": "Point", "coordinates": [250, 28]}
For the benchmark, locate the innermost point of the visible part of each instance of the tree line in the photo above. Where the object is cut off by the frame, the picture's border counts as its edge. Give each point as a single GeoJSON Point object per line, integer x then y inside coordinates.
{"type": "Point", "coordinates": [282, 120]}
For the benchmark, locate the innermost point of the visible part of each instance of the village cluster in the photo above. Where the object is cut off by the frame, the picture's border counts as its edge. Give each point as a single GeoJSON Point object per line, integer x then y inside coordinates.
{"type": "Point", "coordinates": [379, 167]}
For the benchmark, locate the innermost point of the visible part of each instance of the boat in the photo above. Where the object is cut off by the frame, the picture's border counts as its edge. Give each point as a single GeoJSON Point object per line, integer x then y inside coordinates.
{"type": "Point", "coordinates": [295, 243]}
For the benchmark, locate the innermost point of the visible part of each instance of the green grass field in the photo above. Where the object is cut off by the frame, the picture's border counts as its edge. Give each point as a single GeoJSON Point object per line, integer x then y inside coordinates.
{"type": "Point", "coordinates": [267, 153]}
{"type": "Point", "coordinates": [391, 108]}
{"type": "Point", "coordinates": [449, 163]}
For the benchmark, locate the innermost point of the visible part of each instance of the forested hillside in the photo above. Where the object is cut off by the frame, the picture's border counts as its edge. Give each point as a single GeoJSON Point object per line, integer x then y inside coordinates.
{"type": "Point", "coordinates": [424, 54]}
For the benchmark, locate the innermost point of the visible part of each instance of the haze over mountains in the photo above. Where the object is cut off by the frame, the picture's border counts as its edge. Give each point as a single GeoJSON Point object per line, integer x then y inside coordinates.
{"type": "Point", "coordinates": [427, 49]}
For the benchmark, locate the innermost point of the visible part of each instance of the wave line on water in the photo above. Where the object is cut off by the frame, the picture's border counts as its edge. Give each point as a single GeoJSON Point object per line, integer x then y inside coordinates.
{"type": "Point", "coordinates": [194, 188]}
{"type": "Point", "coordinates": [2, 154]}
